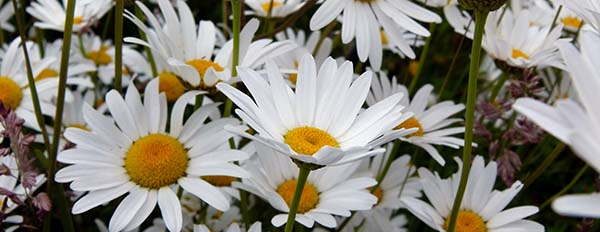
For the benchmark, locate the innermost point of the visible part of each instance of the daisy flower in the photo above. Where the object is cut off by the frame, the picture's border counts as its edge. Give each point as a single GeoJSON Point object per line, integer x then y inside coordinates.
{"type": "Point", "coordinates": [517, 43]}
{"type": "Point", "coordinates": [6, 13]}
{"type": "Point", "coordinates": [432, 123]}
{"type": "Point", "coordinates": [397, 183]}
{"type": "Point", "coordinates": [573, 123]}
{"type": "Point", "coordinates": [141, 158]}
{"type": "Point", "coordinates": [14, 90]}
{"type": "Point", "coordinates": [189, 48]}
{"type": "Point", "coordinates": [329, 191]}
{"type": "Point", "coordinates": [482, 209]}
{"type": "Point", "coordinates": [589, 10]}
{"type": "Point", "coordinates": [51, 13]}
{"type": "Point", "coordinates": [364, 19]}
{"type": "Point", "coordinates": [321, 121]}
{"type": "Point", "coordinates": [255, 227]}
{"type": "Point", "coordinates": [289, 62]}
{"type": "Point", "coordinates": [567, 18]}
{"type": "Point", "coordinates": [379, 220]}
{"type": "Point", "coordinates": [274, 8]}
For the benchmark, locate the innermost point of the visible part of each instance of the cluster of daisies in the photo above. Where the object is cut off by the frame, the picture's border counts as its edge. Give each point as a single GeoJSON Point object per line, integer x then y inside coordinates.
{"type": "Point", "coordinates": [301, 117]}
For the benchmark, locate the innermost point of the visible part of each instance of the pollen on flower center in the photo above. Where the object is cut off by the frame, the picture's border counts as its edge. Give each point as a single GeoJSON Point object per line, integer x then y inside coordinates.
{"type": "Point", "coordinates": [294, 76]}
{"type": "Point", "coordinates": [270, 6]}
{"type": "Point", "coordinates": [46, 73]}
{"type": "Point", "coordinates": [384, 38]}
{"type": "Point", "coordinates": [308, 140]}
{"type": "Point", "coordinates": [10, 93]}
{"type": "Point", "coordinates": [572, 22]}
{"type": "Point", "coordinates": [77, 20]}
{"type": "Point", "coordinates": [378, 192]}
{"type": "Point", "coordinates": [169, 84]}
{"type": "Point", "coordinates": [100, 56]}
{"type": "Point", "coordinates": [202, 65]}
{"type": "Point", "coordinates": [156, 160]}
{"type": "Point", "coordinates": [308, 200]}
{"type": "Point", "coordinates": [412, 123]}
{"type": "Point", "coordinates": [516, 54]}
{"type": "Point", "coordinates": [468, 221]}
{"type": "Point", "coordinates": [219, 181]}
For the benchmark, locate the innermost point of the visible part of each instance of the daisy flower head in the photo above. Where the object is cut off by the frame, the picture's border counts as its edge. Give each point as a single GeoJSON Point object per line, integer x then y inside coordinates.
{"type": "Point", "coordinates": [289, 62]}
{"type": "Point", "coordinates": [329, 191]}
{"type": "Point", "coordinates": [482, 209]}
{"type": "Point", "coordinates": [364, 20]}
{"type": "Point", "coordinates": [589, 10]}
{"type": "Point", "coordinates": [191, 50]}
{"type": "Point", "coordinates": [575, 123]}
{"type": "Point", "coordinates": [51, 13]}
{"type": "Point", "coordinates": [274, 8]}
{"type": "Point", "coordinates": [320, 122]}
{"type": "Point", "coordinates": [234, 227]}
{"type": "Point", "coordinates": [515, 43]}
{"type": "Point", "coordinates": [432, 122]}
{"type": "Point", "coordinates": [134, 65]}
{"type": "Point", "coordinates": [133, 153]}
{"type": "Point", "coordinates": [460, 20]}
{"type": "Point", "coordinates": [567, 18]}
{"type": "Point", "coordinates": [14, 86]}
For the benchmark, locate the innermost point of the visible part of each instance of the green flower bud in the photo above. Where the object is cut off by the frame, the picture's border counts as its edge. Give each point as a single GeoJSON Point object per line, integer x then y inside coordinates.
{"type": "Point", "coordinates": [482, 5]}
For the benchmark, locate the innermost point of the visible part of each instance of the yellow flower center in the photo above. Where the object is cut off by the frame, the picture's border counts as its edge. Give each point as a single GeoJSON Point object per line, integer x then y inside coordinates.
{"type": "Point", "coordinates": [384, 38]}
{"type": "Point", "coordinates": [378, 192]}
{"type": "Point", "coordinates": [572, 22]}
{"type": "Point", "coordinates": [169, 84]}
{"type": "Point", "coordinates": [308, 140]}
{"type": "Point", "coordinates": [201, 65]}
{"type": "Point", "coordinates": [516, 54]}
{"type": "Point", "coordinates": [77, 20]}
{"type": "Point", "coordinates": [468, 221]}
{"type": "Point", "coordinates": [412, 123]}
{"type": "Point", "coordinates": [156, 160]}
{"type": "Point", "coordinates": [100, 57]}
{"type": "Point", "coordinates": [219, 181]}
{"type": "Point", "coordinates": [294, 76]}
{"type": "Point", "coordinates": [308, 200]}
{"type": "Point", "coordinates": [271, 5]}
{"type": "Point", "coordinates": [413, 68]}
{"type": "Point", "coordinates": [10, 93]}
{"type": "Point", "coordinates": [45, 74]}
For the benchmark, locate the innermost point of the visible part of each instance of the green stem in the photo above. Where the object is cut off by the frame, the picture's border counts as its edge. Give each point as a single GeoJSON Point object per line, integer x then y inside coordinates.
{"type": "Point", "coordinates": [323, 36]}
{"type": "Point", "coordinates": [39, 34]}
{"type": "Point", "coordinates": [60, 102]}
{"type": "Point", "coordinates": [422, 59]}
{"type": "Point", "coordinates": [452, 64]}
{"type": "Point", "coordinates": [302, 177]}
{"type": "Point", "coordinates": [556, 17]}
{"type": "Point", "coordinates": [566, 188]}
{"type": "Point", "coordinates": [119, 8]}
{"type": "Point", "coordinates": [496, 89]}
{"type": "Point", "coordinates": [237, 19]}
{"type": "Point", "coordinates": [545, 164]}
{"type": "Point", "coordinates": [480, 18]}
{"type": "Point", "coordinates": [224, 17]}
{"type": "Point", "coordinates": [32, 86]}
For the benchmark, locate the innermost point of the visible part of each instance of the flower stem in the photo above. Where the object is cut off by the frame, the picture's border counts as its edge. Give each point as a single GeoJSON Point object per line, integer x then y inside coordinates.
{"type": "Point", "coordinates": [566, 188]}
{"type": "Point", "coordinates": [119, 8]}
{"type": "Point", "coordinates": [544, 165]}
{"type": "Point", "coordinates": [32, 85]}
{"type": "Point", "coordinates": [422, 59]}
{"type": "Point", "coordinates": [453, 62]}
{"type": "Point", "coordinates": [302, 177]}
{"type": "Point", "coordinates": [480, 18]}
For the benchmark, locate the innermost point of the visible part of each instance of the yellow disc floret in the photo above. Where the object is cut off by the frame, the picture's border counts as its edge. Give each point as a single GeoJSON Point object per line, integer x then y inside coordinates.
{"type": "Point", "coordinates": [572, 22]}
{"type": "Point", "coordinates": [219, 181]}
{"type": "Point", "coordinates": [308, 140]}
{"type": "Point", "coordinates": [10, 93]}
{"type": "Point", "coordinates": [77, 20]}
{"type": "Point", "coordinates": [202, 65]}
{"type": "Point", "coordinates": [412, 123]}
{"type": "Point", "coordinates": [516, 54]}
{"type": "Point", "coordinates": [271, 5]}
{"type": "Point", "coordinates": [468, 221]}
{"type": "Point", "coordinates": [378, 192]}
{"type": "Point", "coordinates": [308, 200]}
{"type": "Point", "coordinates": [156, 160]}
{"type": "Point", "coordinates": [100, 56]}
{"type": "Point", "coordinates": [46, 73]}
{"type": "Point", "coordinates": [169, 84]}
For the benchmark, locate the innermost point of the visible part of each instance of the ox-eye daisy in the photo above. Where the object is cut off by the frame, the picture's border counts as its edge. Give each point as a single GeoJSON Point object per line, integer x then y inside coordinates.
{"type": "Point", "coordinates": [289, 62]}
{"type": "Point", "coordinates": [432, 122]}
{"type": "Point", "coordinates": [234, 227]}
{"type": "Point", "coordinates": [329, 191]}
{"type": "Point", "coordinates": [589, 10]}
{"type": "Point", "coordinates": [51, 13]}
{"type": "Point", "coordinates": [189, 48]}
{"type": "Point", "coordinates": [274, 8]}
{"type": "Point", "coordinates": [516, 43]}
{"type": "Point", "coordinates": [78, 65]}
{"type": "Point", "coordinates": [569, 19]}
{"type": "Point", "coordinates": [459, 19]}
{"type": "Point", "coordinates": [139, 157]}
{"type": "Point", "coordinates": [321, 121]}
{"type": "Point", "coordinates": [14, 88]}
{"type": "Point", "coordinates": [482, 209]}
{"type": "Point", "coordinates": [364, 19]}
{"type": "Point", "coordinates": [578, 125]}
